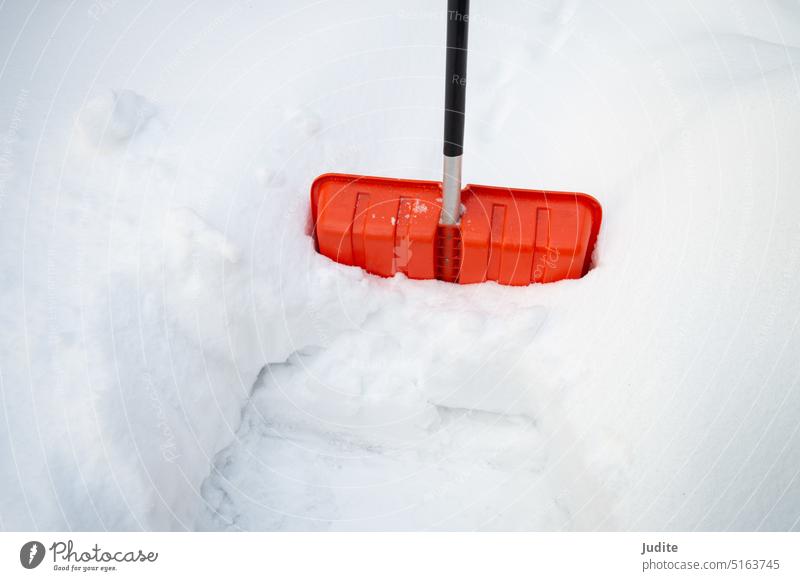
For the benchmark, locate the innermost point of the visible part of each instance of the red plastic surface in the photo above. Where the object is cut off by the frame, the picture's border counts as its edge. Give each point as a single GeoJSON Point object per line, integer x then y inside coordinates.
{"type": "Point", "coordinates": [508, 235]}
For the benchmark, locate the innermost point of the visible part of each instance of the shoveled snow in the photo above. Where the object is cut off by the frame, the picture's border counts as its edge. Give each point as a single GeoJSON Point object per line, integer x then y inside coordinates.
{"type": "Point", "coordinates": [175, 355]}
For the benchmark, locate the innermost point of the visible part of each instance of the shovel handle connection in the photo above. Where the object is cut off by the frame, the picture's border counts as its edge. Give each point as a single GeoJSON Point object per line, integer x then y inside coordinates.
{"type": "Point", "coordinates": [455, 93]}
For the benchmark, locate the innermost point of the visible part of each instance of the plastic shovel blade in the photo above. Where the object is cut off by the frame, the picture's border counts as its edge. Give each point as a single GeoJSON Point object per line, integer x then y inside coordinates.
{"type": "Point", "coordinates": [508, 235]}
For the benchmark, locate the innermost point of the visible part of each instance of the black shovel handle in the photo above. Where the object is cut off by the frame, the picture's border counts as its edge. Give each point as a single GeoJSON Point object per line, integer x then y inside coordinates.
{"type": "Point", "coordinates": [455, 91]}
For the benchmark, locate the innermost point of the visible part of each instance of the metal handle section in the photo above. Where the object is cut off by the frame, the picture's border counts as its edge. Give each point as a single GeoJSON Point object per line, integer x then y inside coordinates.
{"type": "Point", "coordinates": [451, 191]}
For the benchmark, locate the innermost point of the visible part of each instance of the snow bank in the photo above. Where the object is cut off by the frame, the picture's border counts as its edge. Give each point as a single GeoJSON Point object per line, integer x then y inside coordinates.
{"type": "Point", "coordinates": [176, 355]}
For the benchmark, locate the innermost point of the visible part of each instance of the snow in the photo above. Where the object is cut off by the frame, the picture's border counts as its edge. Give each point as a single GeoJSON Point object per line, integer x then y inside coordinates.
{"type": "Point", "coordinates": [112, 119]}
{"type": "Point", "coordinates": [175, 355]}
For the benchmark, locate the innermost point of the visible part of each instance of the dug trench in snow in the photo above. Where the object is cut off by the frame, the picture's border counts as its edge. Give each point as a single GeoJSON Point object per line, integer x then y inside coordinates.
{"type": "Point", "coordinates": [402, 424]}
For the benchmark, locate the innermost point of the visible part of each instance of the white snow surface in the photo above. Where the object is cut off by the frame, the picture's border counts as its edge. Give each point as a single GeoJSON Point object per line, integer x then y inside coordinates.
{"type": "Point", "coordinates": [175, 355]}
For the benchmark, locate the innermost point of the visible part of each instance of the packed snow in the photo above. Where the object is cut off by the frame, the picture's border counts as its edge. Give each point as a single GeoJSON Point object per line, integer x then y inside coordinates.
{"type": "Point", "coordinates": [175, 355]}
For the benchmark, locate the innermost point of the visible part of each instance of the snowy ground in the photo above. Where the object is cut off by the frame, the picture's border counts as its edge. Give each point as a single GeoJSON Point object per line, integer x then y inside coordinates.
{"type": "Point", "coordinates": [175, 355]}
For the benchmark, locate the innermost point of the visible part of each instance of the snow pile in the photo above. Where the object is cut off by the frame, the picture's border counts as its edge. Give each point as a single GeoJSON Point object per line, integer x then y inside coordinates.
{"type": "Point", "coordinates": [175, 355]}
{"type": "Point", "coordinates": [112, 119]}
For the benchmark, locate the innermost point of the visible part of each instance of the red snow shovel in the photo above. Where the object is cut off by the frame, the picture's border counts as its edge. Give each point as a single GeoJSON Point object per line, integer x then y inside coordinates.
{"type": "Point", "coordinates": [428, 229]}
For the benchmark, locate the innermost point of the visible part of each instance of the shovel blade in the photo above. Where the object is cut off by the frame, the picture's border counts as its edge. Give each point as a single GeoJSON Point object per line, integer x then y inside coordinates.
{"type": "Point", "coordinates": [508, 235]}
